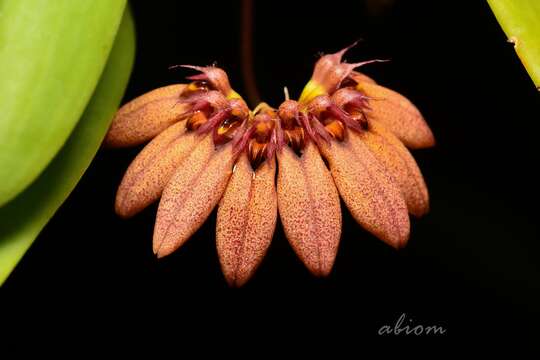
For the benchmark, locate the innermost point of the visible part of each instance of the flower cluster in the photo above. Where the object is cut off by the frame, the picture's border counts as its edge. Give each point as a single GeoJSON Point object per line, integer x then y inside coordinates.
{"type": "Point", "coordinates": [346, 136]}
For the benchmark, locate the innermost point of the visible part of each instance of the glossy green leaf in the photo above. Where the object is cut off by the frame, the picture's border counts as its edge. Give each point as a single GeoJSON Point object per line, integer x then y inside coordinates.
{"type": "Point", "coordinates": [22, 219]}
{"type": "Point", "coordinates": [52, 54]}
{"type": "Point", "coordinates": [520, 20]}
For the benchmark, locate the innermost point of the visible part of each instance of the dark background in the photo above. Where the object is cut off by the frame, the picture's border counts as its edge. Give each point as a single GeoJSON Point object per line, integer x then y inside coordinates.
{"type": "Point", "coordinates": [472, 264]}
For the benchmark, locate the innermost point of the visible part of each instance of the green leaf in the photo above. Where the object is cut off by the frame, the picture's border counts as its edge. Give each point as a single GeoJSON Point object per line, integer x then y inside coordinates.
{"type": "Point", "coordinates": [520, 20]}
{"type": "Point", "coordinates": [52, 54]}
{"type": "Point", "coordinates": [22, 219]}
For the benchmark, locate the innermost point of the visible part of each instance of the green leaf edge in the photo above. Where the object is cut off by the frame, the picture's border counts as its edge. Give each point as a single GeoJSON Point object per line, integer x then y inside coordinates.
{"type": "Point", "coordinates": [520, 20]}
{"type": "Point", "coordinates": [52, 54]}
{"type": "Point", "coordinates": [22, 219]}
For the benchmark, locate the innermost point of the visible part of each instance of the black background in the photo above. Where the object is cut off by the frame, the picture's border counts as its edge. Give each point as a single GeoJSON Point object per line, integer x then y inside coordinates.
{"type": "Point", "coordinates": [472, 264]}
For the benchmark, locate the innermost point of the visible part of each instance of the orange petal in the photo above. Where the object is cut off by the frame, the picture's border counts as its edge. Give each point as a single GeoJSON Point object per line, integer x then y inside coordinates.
{"type": "Point", "coordinates": [400, 165]}
{"type": "Point", "coordinates": [146, 116]}
{"type": "Point", "coordinates": [246, 220]}
{"type": "Point", "coordinates": [398, 115]}
{"type": "Point", "coordinates": [150, 171]}
{"type": "Point", "coordinates": [361, 78]}
{"type": "Point", "coordinates": [309, 208]}
{"type": "Point", "coordinates": [191, 195]}
{"type": "Point", "coordinates": [372, 197]}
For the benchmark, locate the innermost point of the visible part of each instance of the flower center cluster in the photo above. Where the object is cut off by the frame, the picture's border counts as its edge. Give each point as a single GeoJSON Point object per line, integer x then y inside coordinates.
{"type": "Point", "coordinates": [328, 107]}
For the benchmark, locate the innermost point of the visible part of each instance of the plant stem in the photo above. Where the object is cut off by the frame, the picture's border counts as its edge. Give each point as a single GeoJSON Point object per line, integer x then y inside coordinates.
{"type": "Point", "coordinates": [247, 53]}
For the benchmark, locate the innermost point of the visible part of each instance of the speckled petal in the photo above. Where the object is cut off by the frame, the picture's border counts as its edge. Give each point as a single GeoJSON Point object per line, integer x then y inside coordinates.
{"type": "Point", "coordinates": [191, 195]}
{"type": "Point", "coordinates": [400, 165]}
{"type": "Point", "coordinates": [145, 117]}
{"type": "Point", "coordinates": [246, 220]}
{"type": "Point", "coordinates": [398, 115]}
{"type": "Point", "coordinates": [309, 208]}
{"type": "Point", "coordinates": [150, 171]}
{"type": "Point", "coordinates": [370, 194]}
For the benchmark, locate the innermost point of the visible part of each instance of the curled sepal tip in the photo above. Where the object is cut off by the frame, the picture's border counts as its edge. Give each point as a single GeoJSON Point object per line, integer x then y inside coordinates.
{"type": "Point", "coordinates": [329, 73]}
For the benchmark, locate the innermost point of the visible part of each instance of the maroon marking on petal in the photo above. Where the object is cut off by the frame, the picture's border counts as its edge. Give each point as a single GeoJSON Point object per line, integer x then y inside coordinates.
{"type": "Point", "coordinates": [241, 141]}
{"type": "Point", "coordinates": [277, 136]}
{"type": "Point", "coordinates": [350, 97]}
{"type": "Point", "coordinates": [214, 121]}
{"type": "Point", "coordinates": [198, 77]}
{"type": "Point", "coordinates": [201, 105]}
{"type": "Point", "coordinates": [304, 122]}
{"type": "Point", "coordinates": [320, 131]}
{"type": "Point", "coordinates": [344, 117]}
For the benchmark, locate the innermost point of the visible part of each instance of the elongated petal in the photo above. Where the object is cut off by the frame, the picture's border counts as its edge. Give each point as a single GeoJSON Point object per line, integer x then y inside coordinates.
{"type": "Point", "coordinates": [145, 117]}
{"type": "Point", "coordinates": [400, 165]}
{"type": "Point", "coordinates": [398, 115]}
{"type": "Point", "coordinates": [150, 171]}
{"type": "Point", "coordinates": [309, 208]}
{"type": "Point", "coordinates": [191, 194]}
{"type": "Point", "coordinates": [246, 220]}
{"type": "Point", "coordinates": [370, 194]}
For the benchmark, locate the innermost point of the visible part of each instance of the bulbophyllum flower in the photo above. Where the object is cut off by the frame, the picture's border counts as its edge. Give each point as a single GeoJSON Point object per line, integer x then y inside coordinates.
{"type": "Point", "coordinates": [345, 137]}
